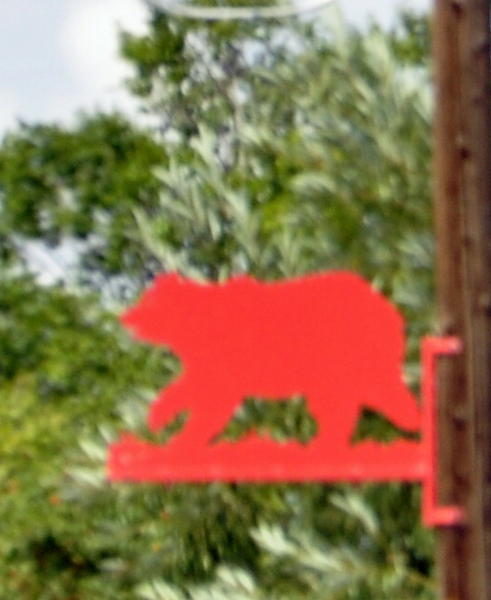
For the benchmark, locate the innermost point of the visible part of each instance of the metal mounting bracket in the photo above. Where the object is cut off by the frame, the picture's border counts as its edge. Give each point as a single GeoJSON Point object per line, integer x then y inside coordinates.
{"type": "Point", "coordinates": [433, 514]}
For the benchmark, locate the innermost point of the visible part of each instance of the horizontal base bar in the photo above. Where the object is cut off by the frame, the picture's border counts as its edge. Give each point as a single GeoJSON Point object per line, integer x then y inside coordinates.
{"type": "Point", "coordinates": [259, 460]}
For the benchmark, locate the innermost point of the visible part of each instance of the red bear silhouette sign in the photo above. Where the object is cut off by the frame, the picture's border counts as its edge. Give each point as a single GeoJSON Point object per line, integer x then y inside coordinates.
{"type": "Point", "coordinates": [330, 338]}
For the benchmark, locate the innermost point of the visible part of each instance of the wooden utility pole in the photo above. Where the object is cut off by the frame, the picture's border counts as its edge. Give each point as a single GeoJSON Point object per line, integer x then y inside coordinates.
{"type": "Point", "coordinates": [462, 148]}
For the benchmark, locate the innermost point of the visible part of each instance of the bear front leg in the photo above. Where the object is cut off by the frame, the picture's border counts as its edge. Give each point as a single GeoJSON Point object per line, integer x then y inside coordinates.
{"type": "Point", "coordinates": [171, 401]}
{"type": "Point", "coordinates": [209, 409]}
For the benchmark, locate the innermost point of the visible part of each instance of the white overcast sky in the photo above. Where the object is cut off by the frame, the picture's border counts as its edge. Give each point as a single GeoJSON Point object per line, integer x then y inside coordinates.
{"type": "Point", "coordinates": [59, 56]}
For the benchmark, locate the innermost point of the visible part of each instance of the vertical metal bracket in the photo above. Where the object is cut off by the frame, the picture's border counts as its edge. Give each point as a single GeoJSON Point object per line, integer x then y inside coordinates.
{"type": "Point", "coordinates": [433, 514]}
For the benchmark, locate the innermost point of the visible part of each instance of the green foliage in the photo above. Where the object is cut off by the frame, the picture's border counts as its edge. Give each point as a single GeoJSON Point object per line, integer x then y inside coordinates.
{"type": "Point", "coordinates": [296, 563]}
{"type": "Point", "coordinates": [81, 184]}
{"type": "Point", "coordinates": [64, 367]}
{"type": "Point", "coordinates": [189, 73]}
{"type": "Point", "coordinates": [411, 41]}
{"type": "Point", "coordinates": [365, 565]}
{"type": "Point", "coordinates": [284, 148]}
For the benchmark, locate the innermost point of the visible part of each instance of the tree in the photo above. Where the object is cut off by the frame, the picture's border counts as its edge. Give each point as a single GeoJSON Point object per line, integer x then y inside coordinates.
{"type": "Point", "coordinates": [289, 147]}
{"type": "Point", "coordinates": [64, 368]}
{"type": "Point", "coordinates": [81, 186]}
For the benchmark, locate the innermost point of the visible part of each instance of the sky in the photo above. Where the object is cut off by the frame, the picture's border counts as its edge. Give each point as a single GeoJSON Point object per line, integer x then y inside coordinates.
{"type": "Point", "coordinates": [58, 57]}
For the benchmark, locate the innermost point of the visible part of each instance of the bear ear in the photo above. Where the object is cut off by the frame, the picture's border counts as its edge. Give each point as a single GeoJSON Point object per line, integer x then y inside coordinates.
{"type": "Point", "coordinates": [169, 278]}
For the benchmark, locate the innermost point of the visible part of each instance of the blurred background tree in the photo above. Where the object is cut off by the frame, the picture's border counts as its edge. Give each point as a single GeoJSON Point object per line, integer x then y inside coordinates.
{"type": "Point", "coordinates": [278, 148]}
